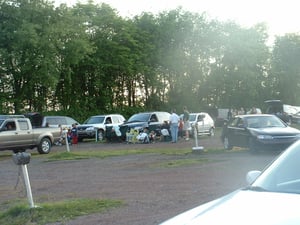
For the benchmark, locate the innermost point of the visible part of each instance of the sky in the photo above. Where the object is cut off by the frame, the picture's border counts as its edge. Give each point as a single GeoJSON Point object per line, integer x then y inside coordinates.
{"type": "Point", "coordinates": [281, 16]}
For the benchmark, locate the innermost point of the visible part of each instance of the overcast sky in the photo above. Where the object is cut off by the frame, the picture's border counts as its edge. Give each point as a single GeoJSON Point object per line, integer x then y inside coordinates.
{"type": "Point", "coordinates": [281, 16]}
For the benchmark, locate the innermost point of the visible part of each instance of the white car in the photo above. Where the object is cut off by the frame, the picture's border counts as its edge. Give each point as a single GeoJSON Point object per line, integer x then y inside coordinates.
{"type": "Point", "coordinates": [95, 126]}
{"type": "Point", "coordinates": [272, 198]}
{"type": "Point", "coordinates": [202, 123]}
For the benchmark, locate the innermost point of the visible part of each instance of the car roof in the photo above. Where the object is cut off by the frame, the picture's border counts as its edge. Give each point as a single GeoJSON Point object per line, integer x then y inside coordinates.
{"type": "Point", "coordinates": [254, 115]}
{"type": "Point", "coordinates": [107, 115]}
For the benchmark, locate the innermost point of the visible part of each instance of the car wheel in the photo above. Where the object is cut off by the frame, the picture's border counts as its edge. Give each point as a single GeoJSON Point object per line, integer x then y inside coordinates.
{"type": "Point", "coordinates": [211, 132]}
{"type": "Point", "coordinates": [100, 135]}
{"type": "Point", "coordinates": [252, 146]}
{"type": "Point", "coordinates": [44, 146]}
{"type": "Point", "coordinates": [227, 144]}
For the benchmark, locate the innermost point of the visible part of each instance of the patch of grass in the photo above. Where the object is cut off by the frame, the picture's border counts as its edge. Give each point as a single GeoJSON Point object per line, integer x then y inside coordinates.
{"type": "Point", "coordinates": [111, 153]}
{"type": "Point", "coordinates": [183, 162]}
{"type": "Point", "coordinates": [20, 214]}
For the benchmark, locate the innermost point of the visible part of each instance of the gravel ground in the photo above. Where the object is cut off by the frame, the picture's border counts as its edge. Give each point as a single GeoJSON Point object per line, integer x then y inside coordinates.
{"type": "Point", "coordinates": [151, 191]}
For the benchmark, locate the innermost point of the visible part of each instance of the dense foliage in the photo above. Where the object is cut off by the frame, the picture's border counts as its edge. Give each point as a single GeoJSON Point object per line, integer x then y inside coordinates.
{"type": "Point", "coordinates": [86, 59]}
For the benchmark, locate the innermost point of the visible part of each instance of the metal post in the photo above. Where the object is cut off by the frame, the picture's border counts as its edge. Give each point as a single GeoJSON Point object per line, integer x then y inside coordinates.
{"type": "Point", "coordinates": [96, 134]}
{"type": "Point", "coordinates": [27, 184]}
{"type": "Point", "coordinates": [196, 140]}
{"type": "Point", "coordinates": [67, 142]}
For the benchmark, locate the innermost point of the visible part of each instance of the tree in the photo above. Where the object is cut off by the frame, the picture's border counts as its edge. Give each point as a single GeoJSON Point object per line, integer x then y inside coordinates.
{"type": "Point", "coordinates": [285, 73]}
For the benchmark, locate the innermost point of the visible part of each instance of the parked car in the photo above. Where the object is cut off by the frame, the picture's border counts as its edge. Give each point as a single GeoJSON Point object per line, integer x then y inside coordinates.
{"type": "Point", "coordinates": [17, 134]}
{"type": "Point", "coordinates": [258, 131]}
{"type": "Point", "coordinates": [152, 120]}
{"type": "Point", "coordinates": [38, 120]}
{"type": "Point", "coordinates": [95, 126]}
{"type": "Point", "coordinates": [272, 197]}
{"type": "Point", "coordinates": [203, 123]}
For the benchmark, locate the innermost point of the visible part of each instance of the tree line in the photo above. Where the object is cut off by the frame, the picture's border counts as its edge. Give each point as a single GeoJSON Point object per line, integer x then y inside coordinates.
{"type": "Point", "coordinates": [86, 59]}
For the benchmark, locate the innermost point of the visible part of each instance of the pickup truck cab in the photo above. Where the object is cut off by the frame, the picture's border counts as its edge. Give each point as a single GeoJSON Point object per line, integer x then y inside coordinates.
{"type": "Point", "coordinates": [17, 134]}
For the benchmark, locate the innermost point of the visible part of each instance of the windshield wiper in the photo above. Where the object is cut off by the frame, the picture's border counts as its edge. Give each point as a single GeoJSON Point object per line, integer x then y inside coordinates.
{"type": "Point", "coordinates": [255, 188]}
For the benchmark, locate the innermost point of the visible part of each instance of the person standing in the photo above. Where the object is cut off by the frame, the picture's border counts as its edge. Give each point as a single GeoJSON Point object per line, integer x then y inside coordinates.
{"type": "Point", "coordinates": [74, 134]}
{"type": "Point", "coordinates": [174, 121]}
{"type": "Point", "coordinates": [186, 123]}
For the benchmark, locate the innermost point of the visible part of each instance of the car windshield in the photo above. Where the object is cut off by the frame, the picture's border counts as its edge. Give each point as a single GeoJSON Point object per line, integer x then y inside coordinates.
{"type": "Point", "coordinates": [95, 119]}
{"type": "Point", "coordinates": [284, 174]}
{"type": "Point", "coordinates": [141, 117]}
{"type": "Point", "coordinates": [264, 121]}
{"type": "Point", "coordinates": [1, 121]}
{"type": "Point", "coordinates": [192, 117]}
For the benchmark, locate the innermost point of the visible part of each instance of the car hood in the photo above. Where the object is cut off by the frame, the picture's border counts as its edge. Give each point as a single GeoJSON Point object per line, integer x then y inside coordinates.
{"type": "Point", "coordinates": [276, 130]}
{"type": "Point", "coordinates": [244, 207]}
{"type": "Point", "coordinates": [137, 124]}
{"type": "Point", "coordinates": [87, 125]}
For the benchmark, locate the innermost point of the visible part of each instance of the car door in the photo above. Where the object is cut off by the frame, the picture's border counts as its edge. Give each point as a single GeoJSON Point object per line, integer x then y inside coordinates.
{"type": "Point", "coordinates": [237, 133]}
{"type": "Point", "coordinates": [154, 123]}
{"type": "Point", "coordinates": [206, 125]}
{"type": "Point", "coordinates": [25, 133]}
{"type": "Point", "coordinates": [200, 123]}
{"type": "Point", "coordinates": [8, 135]}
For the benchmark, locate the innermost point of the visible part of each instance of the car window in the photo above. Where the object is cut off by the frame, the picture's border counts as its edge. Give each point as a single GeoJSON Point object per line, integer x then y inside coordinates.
{"type": "Point", "coordinates": [11, 125]}
{"type": "Point", "coordinates": [108, 120]}
{"type": "Point", "coordinates": [192, 117]}
{"type": "Point", "coordinates": [56, 120]}
{"type": "Point", "coordinates": [140, 117]}
{"type": "Point", "coordinates": [284, 174]}
{"type": "Point", "coordinates": [264, 121]}
{"type": "Point", "coordinates": [23, 125]}
{"type": "Point", "coordinates": [95, 119]}
{"type": "Point", "coordinates": [241, 123]}
{"type": "Point", "coordinates": [153, 118]}
{"type": "Point", "coordinates": [234, 122]}
{"type": "Point", "coordinates": [70, 121]}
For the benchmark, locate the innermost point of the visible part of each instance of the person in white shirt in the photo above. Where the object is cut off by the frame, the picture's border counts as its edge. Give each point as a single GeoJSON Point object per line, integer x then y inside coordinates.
{"type": "Point", "coordinates": [174, 121]}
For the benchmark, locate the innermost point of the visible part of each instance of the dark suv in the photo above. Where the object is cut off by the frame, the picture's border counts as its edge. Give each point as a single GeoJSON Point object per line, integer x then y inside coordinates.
{"type": "Point", "coordinates": [276, 107]}
{"type": "Point", "coordinates": [152, 120]}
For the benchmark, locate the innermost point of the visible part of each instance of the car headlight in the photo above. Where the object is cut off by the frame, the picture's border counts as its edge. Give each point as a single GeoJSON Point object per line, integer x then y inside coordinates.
{"type": "Point", "coordinates": [90, 129]}
{"type": "Point", "coordinates": [264, 137]}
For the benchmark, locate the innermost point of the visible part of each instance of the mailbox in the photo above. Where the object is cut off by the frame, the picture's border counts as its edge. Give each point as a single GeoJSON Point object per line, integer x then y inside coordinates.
{"type": "Point", "coordinates": [21, 158]}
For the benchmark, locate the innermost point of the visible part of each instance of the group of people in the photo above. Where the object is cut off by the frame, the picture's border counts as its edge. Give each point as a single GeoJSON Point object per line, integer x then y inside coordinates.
{"type": "Point", "coordinates": [178, 124]}
{"type": "Point", "coordinates": [71, 134]}
{"type": "Point", "coordinates": [242, 111]}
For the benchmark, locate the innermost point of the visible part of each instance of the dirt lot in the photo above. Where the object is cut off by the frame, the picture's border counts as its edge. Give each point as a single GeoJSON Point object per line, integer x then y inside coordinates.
{"type": "Point", "coordinates": [151, 191]}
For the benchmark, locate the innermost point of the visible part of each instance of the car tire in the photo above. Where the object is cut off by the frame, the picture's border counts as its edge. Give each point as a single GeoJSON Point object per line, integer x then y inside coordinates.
{"type": "Point", "coordinates": [252, 146]}
{"type": "Point", "coordinates": [44, 146]}
{"type": "Point", "coordinates": [100, 135]}
{"type": "Point", "coordinates": [211, 132]}
{"type": "Point", "coordinates": [226, 143]}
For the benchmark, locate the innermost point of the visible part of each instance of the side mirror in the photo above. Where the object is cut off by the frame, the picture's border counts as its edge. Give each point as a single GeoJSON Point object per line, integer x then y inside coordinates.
{"type": "Point", "coordinates": [252, 176]}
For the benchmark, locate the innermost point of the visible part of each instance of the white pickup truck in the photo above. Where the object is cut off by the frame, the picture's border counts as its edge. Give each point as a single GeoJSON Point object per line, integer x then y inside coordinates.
{"type": "Point", "coordinates": [17, 134]}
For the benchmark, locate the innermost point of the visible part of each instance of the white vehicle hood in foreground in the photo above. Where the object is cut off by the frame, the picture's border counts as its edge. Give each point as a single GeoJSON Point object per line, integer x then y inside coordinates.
{"type": "Point", "coordinates": [244, 207]}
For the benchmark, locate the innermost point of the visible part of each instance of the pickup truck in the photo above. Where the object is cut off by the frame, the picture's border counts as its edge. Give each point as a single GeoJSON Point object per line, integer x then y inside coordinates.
{"type": "Point", "coordinates": [17, 134]}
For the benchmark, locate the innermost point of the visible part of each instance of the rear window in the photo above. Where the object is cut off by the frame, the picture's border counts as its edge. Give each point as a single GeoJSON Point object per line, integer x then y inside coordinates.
{"type": "Point", "coordinates": [56, 120]}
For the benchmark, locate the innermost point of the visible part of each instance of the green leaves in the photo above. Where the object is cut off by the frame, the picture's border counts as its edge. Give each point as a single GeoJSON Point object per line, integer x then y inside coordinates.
{"type": "Point", "coordinates": [86, 59]}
